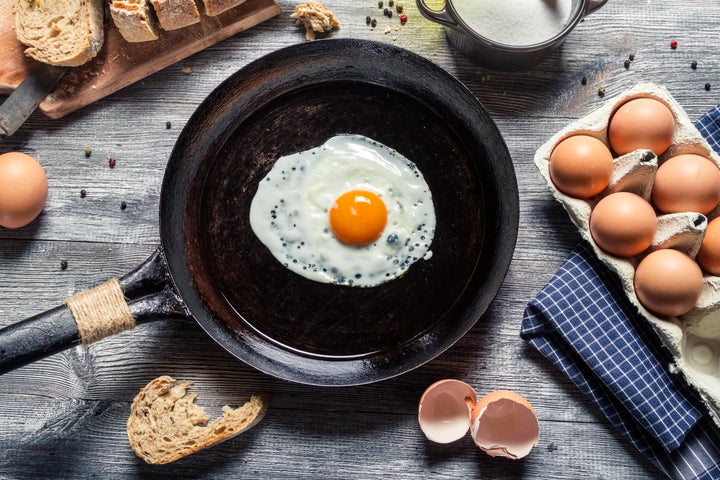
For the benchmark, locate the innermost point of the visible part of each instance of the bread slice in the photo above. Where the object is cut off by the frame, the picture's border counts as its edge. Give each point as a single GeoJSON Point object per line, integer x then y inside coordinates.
{"type": "Point", "coordinates": [165, 424]}
{"type": "Point", "coordinates": [64, 33]}
{"type": "Point", "coordinates": [135, 20]}
{"type": "Point", "coordinates": [216, 7]}
{"type": "Point", "coordinates": [174, 14]}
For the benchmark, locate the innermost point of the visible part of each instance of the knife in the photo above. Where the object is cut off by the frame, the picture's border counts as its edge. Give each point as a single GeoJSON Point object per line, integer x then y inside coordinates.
{"type": "Point", "coordinates": [20, 104]}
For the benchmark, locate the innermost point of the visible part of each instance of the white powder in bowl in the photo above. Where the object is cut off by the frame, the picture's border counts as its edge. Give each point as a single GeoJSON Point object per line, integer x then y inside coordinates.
{"type": "Point", "coordinates": [515, 22]}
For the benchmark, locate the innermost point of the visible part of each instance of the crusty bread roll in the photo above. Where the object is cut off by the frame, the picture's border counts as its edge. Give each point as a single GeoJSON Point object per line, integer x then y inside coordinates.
{"type": "Point", "coordinates": [165, 424]}
{"type": "Point", "coordinates": [135, 20]}
{"type": "Point", "coordinates": [216, 7]}
{"type": "Point", "coordinates": [64, 33]}
{"type": "Point", "coordinates": [174, 14]}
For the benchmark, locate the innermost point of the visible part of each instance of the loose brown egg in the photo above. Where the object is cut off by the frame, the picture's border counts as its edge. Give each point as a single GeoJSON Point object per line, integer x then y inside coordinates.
{"type": "Point", "coordinates": [668, 282]}
{"type": "Point", "coordinates": [709, 255]}
{"type": "Point", "coordinates": [505, 425]}
{"type": "Point", "coordinates": [623, 224]}
{"type": "Point", "coordinates": [581, 166]}
{"type": "Point", "coordinates": [641, 123]}
{"type": "Point", "coordinates": [687, 183]}
{"type": "Point", "coordinates": [23, 189]}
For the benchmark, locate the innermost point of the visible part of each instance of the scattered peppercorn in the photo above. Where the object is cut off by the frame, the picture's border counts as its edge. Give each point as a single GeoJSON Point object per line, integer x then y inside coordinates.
{"type": "Point", "coordinates": [391, 3]}
{"type": "Point", "coordinates": [673, 44]}
{"type": "Point", "coordinates": [88, 152]}
{"type": "Point", "coordinates": [83, 193]}
{"type": "Point", "coordinates": [583, 80]}
{"type": "Point", "coordinates": [627, 64]}
{"type": "Point", "coordinates": [707, 87]}
{"type": "Point", "coordinates": [111, 162]}
{"type": "Point", "coordinates": [601, 91]}
{"type": "Point", "coordinates": [63, 264]}
{"type": "Point", "coordinates": [385, 12]}
{"type": "Point", "coordinates": [368, 20]}
{"type": "Point", "coordinates": [631, 57]}
{"type": "Point", "coordinates": [693, 65]}
{"type": "Point", "coordinates": [403, 19]}
{"type": "Point", "coordinates": [399, 7]}
{"type": "Point", "coordinates": [373, 23]}
{"type": "Point", "coordinates": [380, 4]}
{"type": "Point", "coordinates": [389, 13]}
{"type": "Point", "coordinates": [123, 205]}
{"type": "Point", "coordinates": [168, 125]}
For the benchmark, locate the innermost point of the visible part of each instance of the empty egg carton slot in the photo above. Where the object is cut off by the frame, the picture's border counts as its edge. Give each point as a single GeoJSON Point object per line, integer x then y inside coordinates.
{"type": "Point", "coordinates": [686, 315]}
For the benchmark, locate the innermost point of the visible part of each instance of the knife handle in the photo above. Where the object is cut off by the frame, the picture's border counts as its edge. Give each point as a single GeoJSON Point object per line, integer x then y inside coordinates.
{"type": "Point", "coordinates": [20, 104]}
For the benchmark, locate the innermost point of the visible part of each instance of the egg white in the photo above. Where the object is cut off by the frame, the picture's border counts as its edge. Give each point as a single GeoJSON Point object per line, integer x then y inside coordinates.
{"type": "Point", "coordinates": [289, 212]}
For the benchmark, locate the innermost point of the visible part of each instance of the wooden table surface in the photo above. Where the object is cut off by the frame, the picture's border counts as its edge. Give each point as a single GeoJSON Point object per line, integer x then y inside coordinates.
{"type": "Point", "coordinates": [64, 416]}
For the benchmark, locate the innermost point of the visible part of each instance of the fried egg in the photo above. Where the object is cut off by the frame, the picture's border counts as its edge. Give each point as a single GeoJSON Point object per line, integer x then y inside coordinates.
{"type": "Point", "coordinates": [351, 211]}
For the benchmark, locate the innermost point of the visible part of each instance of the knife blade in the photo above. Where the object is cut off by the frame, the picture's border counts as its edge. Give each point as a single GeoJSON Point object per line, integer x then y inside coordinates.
{"type": "Point", "coordinates": [22, 101]}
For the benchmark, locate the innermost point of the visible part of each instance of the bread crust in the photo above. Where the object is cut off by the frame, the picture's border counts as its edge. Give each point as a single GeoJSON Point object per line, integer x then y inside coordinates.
{"type": "Point", "coordinates": [175, 14]}
{"type": "Point", "coordinates": [165, 424]}
{"type": "Point", "coordinates": [46, 30]}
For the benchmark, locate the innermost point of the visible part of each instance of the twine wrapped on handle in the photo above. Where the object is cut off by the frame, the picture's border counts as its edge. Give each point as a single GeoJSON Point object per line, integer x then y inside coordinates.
{"type": "Point", "coordinates": [101, 312]}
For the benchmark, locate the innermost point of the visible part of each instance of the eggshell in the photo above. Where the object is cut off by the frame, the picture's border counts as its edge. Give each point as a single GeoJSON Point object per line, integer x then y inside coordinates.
{"type": "Point", "coordinates": [668, 282]}
{"type": "Point", "coordinates": [709, 254]}
{"type": "Point", "coordinates": [641, 123]}
{"type": "Point", "coordinates": [444, 411]}
{"type": "Point", "coordinates": [23, 189]}
{"type": "Point", "coordinates": [623, 224]}
{"type": "Point", "coordinates": [581, 166]}
{"type": "Point", "coordinates": [687, 183]}
{"type": "Point", "coordinates": [505, 424]}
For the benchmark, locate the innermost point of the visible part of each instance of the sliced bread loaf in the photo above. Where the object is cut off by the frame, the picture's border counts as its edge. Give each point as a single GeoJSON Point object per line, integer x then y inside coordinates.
{"type": "Point", "coordinates": [216, 7]}
{"type": "Point", "coordinates": [64, 33]}
{"type": "Point", "coordinates": [174, 14]}
{"type": "Point", "coordinates": [165, 424]}
{"type": "Point", "coordinates": [135, 20]}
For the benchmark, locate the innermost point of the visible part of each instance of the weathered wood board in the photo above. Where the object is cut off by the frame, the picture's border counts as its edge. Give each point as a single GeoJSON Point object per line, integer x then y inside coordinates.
{"type": "Point", "coordinates": [121, 63]}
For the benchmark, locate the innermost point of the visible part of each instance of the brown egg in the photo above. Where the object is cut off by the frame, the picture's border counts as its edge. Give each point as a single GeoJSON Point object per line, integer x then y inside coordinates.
{"type": "Point", "coordinates": [709, 255]}
{"type": "Point", "coordinates": [581, 166]}
{"type": "Point", "coordinates": [23, 189]}
{"type": "Point", "coordinates": [623, 224]}
{"type": "Point", "coordinates": [641, 123]}
{"type": "Point", "coordinates": [687, 183]}
{"type": "Point", "coordinates": [668, 282]}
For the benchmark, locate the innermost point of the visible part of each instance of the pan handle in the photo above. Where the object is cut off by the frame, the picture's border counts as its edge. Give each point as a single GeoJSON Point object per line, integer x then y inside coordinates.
{"type": "Point", "coordinates": [140, 296]}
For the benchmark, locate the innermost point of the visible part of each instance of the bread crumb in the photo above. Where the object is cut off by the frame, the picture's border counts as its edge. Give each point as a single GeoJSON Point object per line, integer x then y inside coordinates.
{"type": "Point", "coordinates": [186, 70]}
{"type": "Point", "coordinates": [315, 17]}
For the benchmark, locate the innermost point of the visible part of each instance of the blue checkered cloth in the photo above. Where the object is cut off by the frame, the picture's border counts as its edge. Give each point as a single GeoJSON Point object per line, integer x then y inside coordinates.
{"type": "Point", "coordinates": [584, 324]}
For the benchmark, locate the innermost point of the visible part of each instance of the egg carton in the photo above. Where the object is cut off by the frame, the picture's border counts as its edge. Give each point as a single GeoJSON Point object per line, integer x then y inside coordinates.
{"type": "Point", "coordinates": [692, 338]}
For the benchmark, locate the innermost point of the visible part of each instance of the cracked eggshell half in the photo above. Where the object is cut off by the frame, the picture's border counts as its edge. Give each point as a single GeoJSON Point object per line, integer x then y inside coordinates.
{"type": "Point", "coordinates": [445, 410]}
{"type": "Point", "coordinates": [505, 425]}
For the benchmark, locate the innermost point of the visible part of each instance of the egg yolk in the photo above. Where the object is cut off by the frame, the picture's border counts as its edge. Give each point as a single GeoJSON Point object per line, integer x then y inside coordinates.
{"type": "Point", "coordinates": [358, 217]}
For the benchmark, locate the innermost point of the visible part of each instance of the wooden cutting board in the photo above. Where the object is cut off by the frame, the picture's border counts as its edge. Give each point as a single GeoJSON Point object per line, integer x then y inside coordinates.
{"type": "Point", "coordinates": [120, 63]}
